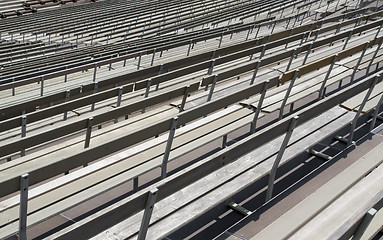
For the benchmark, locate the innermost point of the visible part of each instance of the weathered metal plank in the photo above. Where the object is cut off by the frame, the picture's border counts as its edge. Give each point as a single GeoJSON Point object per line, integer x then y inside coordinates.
{"type": "Point", "coordinates": [69, 127]}
{"type": "Point", "coordinates": [296, 217]}
{"type": "Point", "coordinates": [63, 107]}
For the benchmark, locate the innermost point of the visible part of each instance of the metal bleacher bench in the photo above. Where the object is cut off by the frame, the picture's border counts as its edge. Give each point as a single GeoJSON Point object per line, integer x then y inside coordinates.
{"type": "Point", "coordinates": [292, 221]}
{"type": "Point", "coordinates": [104, 219]}
{"type": "Point", "coordinates": [152, 153]}
{"type": "Point", "coordinates": [130, 148]}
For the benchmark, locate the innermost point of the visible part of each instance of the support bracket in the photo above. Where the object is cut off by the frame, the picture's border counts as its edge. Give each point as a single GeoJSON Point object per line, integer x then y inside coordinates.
{"type": "Point", "coordinates": [320, 155]}
{"type": "Point", "coordinates": [238, 208]}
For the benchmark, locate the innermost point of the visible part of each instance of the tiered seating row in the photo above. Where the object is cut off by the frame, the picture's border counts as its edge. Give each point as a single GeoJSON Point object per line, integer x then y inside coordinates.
{"type": "Point", "coordinates": [68, 65]}
{"type": "Point", "coordinates": [140, 153]}
{"type": "Point", "coordinates": [20, 149]}
{"type": "Point", "coordinates": [106, 218]}
{"type": "Point", "coordinates": [259, 89]}
{"type": "Point", "coordinates": [205, 56]}
{"type": "Point", "coordinates": [327, 61]}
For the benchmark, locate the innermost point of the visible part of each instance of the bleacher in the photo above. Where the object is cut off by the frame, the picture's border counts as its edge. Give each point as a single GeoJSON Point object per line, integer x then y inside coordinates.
{"type": "Point", "coordinates": [137, 118]}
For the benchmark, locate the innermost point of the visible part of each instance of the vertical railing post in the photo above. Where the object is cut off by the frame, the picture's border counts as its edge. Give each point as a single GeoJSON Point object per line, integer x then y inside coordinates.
{"type": "Point", "coordinates": [66, 75]}
{"type": "Point", "coordinates": [212, 88]}
{"type": "Point", "coordinates": [303, 38]}
{"type": "Point", "coordinates": [291, 32]}
{"type": "Point", "coordinates": [159, 73]}
{"type": "Point", "coordinates": [288, 22]}
{"type": "Point", "coordinates": [147, 92]}
{"type": "Point", "coordinates": [94, 72]}
{"type": "Point", "coordinates": [309, 32]}
{"type": "Point", "coordinates": [259, 107]}
{"type": "Point", "coordinates": [291, 60]}
{"type": "Point", "coordinates": [95, 87]}
{"type": "Point", "coordinates": [182, 106]}
{"type": "Point", "coordinates": [213, 55]}
{"type": "Point", "coordinates": [248, 33]}
{"type": "Point", "coordinates": [308, 11]}
{"type": "Point", "coordinates": [224, 141]}
{"type": "Point", "coordinates": [256, 35]}
{"type": "Point", "coordinates": [135, 184]}
{"type": "Point", "coordinates": [151, 200]}
{"type": "Point", "coordinates": [154, 54]}
{"type": "Point", "coordinates": [88, 132]}
{"type": "Point", "coordinates": [67, 95]}
{"type": "Point", "coordinates": [161, 69]}
{"type": "Point", "coordinates": [322, 90]}
{"type": "Point", "coordinates": [42, 86]}
{"type": "Point", "coordinates": [251, 56]}
{"type": "Point", "coordinates": [162, 50]}
{"type": "Point", "coordinates": [303, 18]}
{"type": "Point", "coordinates": [272, 30]}
{"type": "Point", "coordinates": [359, 61]}
{"type": "Point", "coordinates": [231, 34]}
{"type": "Point", "coordinates": [119, 98]}
{"type": "Point", "coordinates": [23, 131]}
{"type": "Point", "coordinates": [220, 41]}
{"type": "Point", "coordinates": [281, 151]}
{"type": "Point", "coordinates": [377, 32]}
{"type": "Point", "coordinates": [189, 48]}
{"type": "Point", "coordinates": [263, 51]}
{"type": "Point", "coordinates": [292, 81]}
{"type": "Point", "coordinates": [139, 62]}
{"type": "Point", "coordinates": [13, 87]}
{"type": "Point", "coordinates": [336, 7]}
{"type": "Point", "coordinates": [210, 70]}
{"type": "Point", "coordinates": [295, 21]}
{"type": "Point", "coordinates": [373, 57]}
{"type": "Point", "coordinates": [364, 224]}
{"type": "Point", "coordinates": [328, 5]}
{"type": "Point", "coordinates": [348, 39]}
{"type": "Point", "coordinates": [319, 26]}
{"type": "Point", "coordinates": [255, 72]}
{"type": "Point", "coordinates": [24, 185]}
{"type": "Point", "coordinates": [168, 147]}
{"type": "Point", "coordinates": [337, 29]}
{"type": "Point", "coordinates": [307, 54]}
{"type": "Point", "coordinates": [353, 124]}
{"type": "Point", "coordinates": [316, 34]}
{"type": "Point", "coordinates": [375, 116]}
